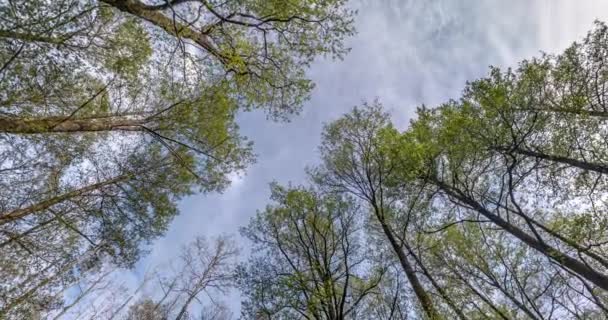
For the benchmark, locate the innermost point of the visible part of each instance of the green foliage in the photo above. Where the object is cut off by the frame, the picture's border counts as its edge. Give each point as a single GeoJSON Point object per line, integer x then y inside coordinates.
{"type": "Point", "coordinates": [101, 90]}
{"type": "Point", "coordinates": [307, 259]}
{"type": "Point", "coordinates": [512, 185]}
{"type": "Point", "coordinates": [129, 49]}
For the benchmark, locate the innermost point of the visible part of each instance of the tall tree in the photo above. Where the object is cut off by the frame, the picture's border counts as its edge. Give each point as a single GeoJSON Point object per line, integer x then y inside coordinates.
{"type": "Point", "coordinates": [146, 309]}
{"type": "Point", "coordinates": [354, 163]}
{"type": "Point", "coordinates": [112, 110]}
{"type": "Point", "coordinates": [202, 272]}
{"type": "Point", "coordinates": [308, 261]}
{"type": "Point", "coordinates": [205, 268]}
{"type": "Point", "coordinates": [463, 152]}
{"type": "Point", "coordinates": [524, 150]}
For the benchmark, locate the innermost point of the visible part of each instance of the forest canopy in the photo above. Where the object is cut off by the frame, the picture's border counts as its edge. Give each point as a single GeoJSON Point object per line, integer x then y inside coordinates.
{"type": "Point", "coordinates": [112, 111]}
{"type": "Point", "coordinates": [489, 206]}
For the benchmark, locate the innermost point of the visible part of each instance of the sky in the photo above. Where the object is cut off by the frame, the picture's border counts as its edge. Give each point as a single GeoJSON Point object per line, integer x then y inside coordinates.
{"type": "Point", "coordinates": [406, 53]}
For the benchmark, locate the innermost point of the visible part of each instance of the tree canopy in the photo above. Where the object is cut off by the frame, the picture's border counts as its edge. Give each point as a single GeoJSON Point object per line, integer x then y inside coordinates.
{"type": "Point", "coordinates": [489, 206]}
{"type": "Point", "coordinates": [111, 111]}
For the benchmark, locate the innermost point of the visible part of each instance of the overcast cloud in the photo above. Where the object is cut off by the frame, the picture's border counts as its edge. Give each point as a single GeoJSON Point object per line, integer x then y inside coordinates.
{"type": "Point", "coordinates": [406, 53]}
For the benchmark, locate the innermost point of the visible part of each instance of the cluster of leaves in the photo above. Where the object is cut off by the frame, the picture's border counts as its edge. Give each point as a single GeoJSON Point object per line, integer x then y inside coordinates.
{"type": "Point", "coordinates": [308, 260]}
{"type": "Point", "coordinates": [111, 111]}
{"type": "Point", "coordinates": [489, 207]}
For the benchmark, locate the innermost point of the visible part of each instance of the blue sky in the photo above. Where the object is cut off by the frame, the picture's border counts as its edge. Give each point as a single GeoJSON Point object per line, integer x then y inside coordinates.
{"type": "Point", "coordinates": [406, 53]}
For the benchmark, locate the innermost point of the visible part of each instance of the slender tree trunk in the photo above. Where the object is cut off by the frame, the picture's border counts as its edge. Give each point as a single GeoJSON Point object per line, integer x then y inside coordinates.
{"type": "Point", "coordinates": [81, 296]}
{"type": "Point", "coordinates": [515, 301]}
{"type": "Point", "coordinates": [480, 295]}
{"type": "Point", "coordinates": [126, 302]}
{"type": "Point", "coordinates": [580, 112]}
{"type": "Point", "coordinates": [578, 267]}
{"type": "Point", "coordinates": [157, 18]}
{"type": "Point", "coordinates": [184, 308]}
{"type": "Point", "coordinates": [581, 250]}
{"type": "Point", "coordinates": [166, 294]}
{"type": "Point", "coordinates": [64, 124]}
{"type": "Point", "coordinates": [590, 166]}
{"type": "Point", "coordinates": [62, 270]}
{"type": "Point", "coordinates": [421, 294]}
{"type": "Point", "coordinates": [17, 236]}
{"type": "Point", "coordinates": [9, 216]}
{"type": "Point", "coordinates": [26, 296]}
{"type": "Point", "coordinates": [439, 289]}
{"type": "Point", "coordinates": [30, 278]}
{"type": "Point", "coordinates": [30, 37]}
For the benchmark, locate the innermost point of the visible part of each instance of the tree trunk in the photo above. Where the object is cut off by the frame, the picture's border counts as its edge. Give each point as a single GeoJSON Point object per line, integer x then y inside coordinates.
{"type": "Point", "coordinates": [184, 308]}
{"type": "Point", "coordinates": [579, 112]}
{"type": "Point", "coordinates": [9, 216]}
{"type": "Point", "coordinates": [581, 250]}
{"type": "Point", "coordinates": [421, 294]}
{"type": "Point", "coordinates": [439, 289]}
{"type": "Point", "coordinates": [479, 294]}
{"type": "Point", "coordinates": [126, 302]}
{"type": "Point", "coordinates": [580, 268]}
{"type": "Point", "coordinates": [17, 236]}
{"type": "Point", "coordinates": [157, 18]}
{"type": "Point", "coordinates": [590, 166]}
{"type": "Point", "coordinates": [62, 270]}
{"type": "Point", "coordinates": [513, 299]}
{"type": "Point", "coordinates": [64, 124]}
{"type": "Point", "coordinates": [82, 295]}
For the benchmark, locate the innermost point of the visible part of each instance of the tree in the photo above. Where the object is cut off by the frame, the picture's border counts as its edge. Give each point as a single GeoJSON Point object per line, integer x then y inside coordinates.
{"type": "Point", "coordinates": [308, 261]}
{"type": "Point", "coordinates": [354, 163]}
{"type": "Point", "coordinates": [112, 110]}
{"type": "Point", "coordinates": [505, 279]}
{"type": "Point", "coordinates": [468, 146]}
{"type": "Point", "coordinates": [202, 273]}
{"type": "Point", "coordinates": [492, 205]}
{"type": "Point", "coordinates": [205, 268]}
{"type": "Point", "coordinates": [35, 293]}
{"type": "Point", "coordinates": [391, 301]}
{"type": "Point", "coordinates": [523, 150]}
{"type": "Point", "coordinates": [216, 311]}
{"type": "Point", "coordinates": [114, 218]}
{"type": "Point", "coordinates": [146, 309]}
